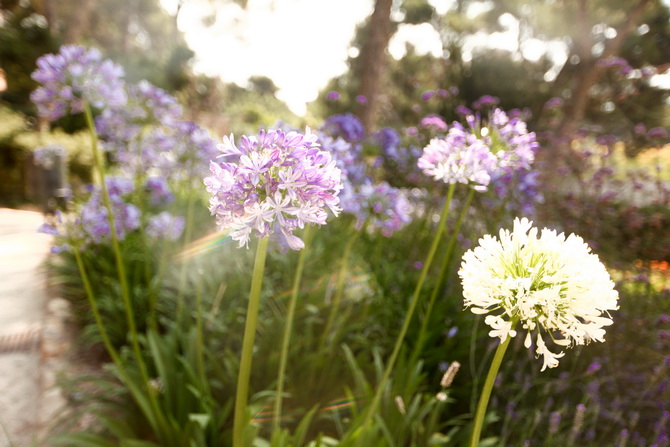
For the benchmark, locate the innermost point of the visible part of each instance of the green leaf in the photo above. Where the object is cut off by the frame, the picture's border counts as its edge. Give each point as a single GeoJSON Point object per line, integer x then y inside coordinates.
{"type": "Point", "coordinates": [201, 419]}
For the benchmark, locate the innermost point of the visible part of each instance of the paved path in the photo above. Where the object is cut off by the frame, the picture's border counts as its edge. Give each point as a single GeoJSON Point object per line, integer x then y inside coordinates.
{"type": "Point", "coordinates": [22, 316]}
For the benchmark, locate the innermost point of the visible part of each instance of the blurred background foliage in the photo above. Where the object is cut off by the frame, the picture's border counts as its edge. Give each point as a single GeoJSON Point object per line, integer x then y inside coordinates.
{"type": "Point", "coordinates": [630, 236]}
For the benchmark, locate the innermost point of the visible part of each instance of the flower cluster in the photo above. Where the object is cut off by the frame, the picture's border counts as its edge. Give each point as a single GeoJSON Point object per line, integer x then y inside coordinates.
{"type": "Point", "coordinates": [275, 182]}
{"type": "Point", "coordinates": [459, 157]}
{"type": "Point", "coordinates": [377, 207]}
{"type": "Point", "coordinates": [345, 125]}
{"type": "Point", "coordinates": [165, 226]}
{"type": "Point", "coordinates": [550, 283]}
{"type": "Point", "coordinates": [48, 156]}
{"type": "Point", "coordinates": [73, 77]}
{"type": "Point", "coordinates": [147, 105]}
{"type": "Point", "coordinates": [94, 220]}
{"type": "Point", "coordinates": [90, 225]}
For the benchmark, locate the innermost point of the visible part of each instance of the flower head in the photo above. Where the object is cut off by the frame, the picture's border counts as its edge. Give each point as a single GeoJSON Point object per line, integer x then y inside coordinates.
{"type": "Point", "coordinates": [147, 106]}
{"type": "Point", "coordinates": [345, 125]}
{"type": "Point", "coordinates": [73, 77]}
{"type": "Point", "coordinates": [380, 207]}
{"type": "Point", "coordinates": [275, 182]}
{"type": "Point", "coordinates": [552, 285]}
{"type": "Point", "coordinates": [459, 157]}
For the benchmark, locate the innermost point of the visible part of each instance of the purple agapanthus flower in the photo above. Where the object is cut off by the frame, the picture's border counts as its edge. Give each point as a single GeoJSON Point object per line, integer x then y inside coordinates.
{"type": "Point", "coordinates": [346, 125]}
{"type": "Point", "coordinates": [179, 153]}
{"type": "Point", "coordinates": [275, 182]}
{"type": "Point", "coordinates": [378, 207]}
{"type": "Point", "coordinates": [332, 96]}
{"type": "Point", "coordinates": [147, 105]}
{"type": "Point", "coordinates": [433, 122]}
{"type": "Point", "coordinates": [93, 217]}
{"type": "Point", "coordinates": [657, 133]}
{"type": "Point", "coordinates": [425, 96]}
{"type": "Point", "coordinates": [47, 156]}
{"type": "Point", "coordinates": [554, 103]}
{"type": "Point", "coordinates": [510, 140]}
{"type": "Point", "coordinates": [73, 77]}
{"type": "Point", "coordinates": [159, 191]}
{"type": "Point", "coordinates": [463, 111]}
{"type": "Point", "coordinates": [165, 226]}
{"type": "Point", "coordinates": [459, 157]}
{"type": "Point", "coordinates": [388, 139]}
{"type": "Point", "coordinates": [485, 101]}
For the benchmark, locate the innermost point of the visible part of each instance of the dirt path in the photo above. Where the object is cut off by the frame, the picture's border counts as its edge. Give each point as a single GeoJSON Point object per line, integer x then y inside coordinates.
{"type": "Point", "coordinates": [29, 336]}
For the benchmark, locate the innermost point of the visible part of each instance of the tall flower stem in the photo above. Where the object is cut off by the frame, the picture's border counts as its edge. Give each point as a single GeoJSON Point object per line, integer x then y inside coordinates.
{"type": "Point", "coordinates": [96, 312]}
{"type": "Point", "coordinates": [339, 290]}
{"type": "Point", "coordinates": [486, 390]}
{"type": "Point", "coordinates": [440, 280]}
{"type": "Point", "coordinates": [120, 266]}
{"type": "Point", "coordinates": [242, 393]}
{"type": "Point", "coordinates": [188, 235]}
{"type": "Point", "coordinates": [410, 311]}
{"type": "Point", "coordinates": [150, 408]}
{"type": "Point", "coordinates": [288, 329]}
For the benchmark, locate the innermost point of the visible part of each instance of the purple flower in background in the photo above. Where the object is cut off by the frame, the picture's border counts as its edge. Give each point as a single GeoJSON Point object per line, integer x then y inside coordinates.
{"type": "Point", "coordinates": [463, 111]}
{"type": "Point", "coordinates": [73, 77]}
{"type": "Point", "coordinates": [510, 140]}
{"type": "Point", "coordinates": [657, 133]}
{"type": "Point", "coordinates": [379, 207]}
{"type": "Point", "coordinates": [442, 93]}
{"type": "Point", "coordinates": [433, 122]}
{"type": "Point", "coordinates": [388, 140]}
{"type": "Point", "coordinates": [554, 103]}
{"type": "Point", "coordinates": [616, 62]}
{"type": "Point", "coordinates": [93, 217]}
{"type": "Point", "coordinates": [412, 131]}
{"type": "Point", "coordinates": [346, 125]}
{"type": "Point", "coordinates": [165, 226]}
{"type": "Point", "coordinates": [159, 191]}
{"type": "Point", "coordinates": [640, 129]}
{"type": "Point", "coordinates": [332, 96]}
{"type": "Point", "coordinates": [147, 105]}
{"type": "Point", "coordinates": [593, 367]}
{"type": "Point", "coordinates": [47, 156]}
{"type": "Point", "coordinates": [485, 101]}
{"type": "Point", "coordinates": [361, 99]}
{"type": "Point", "coordinates": [606, 140]}
{"type": "Point", "coordinates": [425, 96]}
{"type": "Point", "coordinates": [278, 182]}
{"type": "Point", "coordinates": [179, 153]}
{"type": "Point", "coordinates": [347, 158]}
{"type": "Point", "coordinates": [459, 157]}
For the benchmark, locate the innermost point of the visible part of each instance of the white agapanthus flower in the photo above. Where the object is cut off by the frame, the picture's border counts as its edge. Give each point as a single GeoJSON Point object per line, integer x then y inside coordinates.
{"type": "Point", "coordinates": [552, 285]}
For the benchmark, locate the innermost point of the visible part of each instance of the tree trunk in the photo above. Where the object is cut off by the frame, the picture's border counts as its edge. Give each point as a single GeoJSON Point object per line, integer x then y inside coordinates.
{"type": "Point", "coordinates": [75, 29]}
{"type": "Point", "coordinates": [373, 62]}
{"type": "Point", "coordinates": [589, 72]}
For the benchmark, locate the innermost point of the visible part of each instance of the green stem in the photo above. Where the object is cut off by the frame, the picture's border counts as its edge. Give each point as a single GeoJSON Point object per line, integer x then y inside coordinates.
{"type": "Point", "coordinates": [96, 312]}
{"type": "Point", "coordinates": [486, 391]}
{"type": "Point", "coordinates": [188, 234]}
{"type": "Point", "coordinates": [288, 328]}
{"type": "Point", "coordinates": [120, 266]}
{"type": "Point", "coordinates": [446, 262]}
{"type": "Point", "coordinates": [410, 312]}
{"type": "Point", "coordinates": [200, 335]}
{"type": "Point", "coordinates": [242, 394]}
{"type": "Point", "coordinates": [339, 291]}
{"type": "Point", "coordinates": [153, 413]}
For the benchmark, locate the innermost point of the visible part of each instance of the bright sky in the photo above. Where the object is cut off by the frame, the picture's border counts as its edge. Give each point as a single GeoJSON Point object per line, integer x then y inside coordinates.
{"type": "Point", "coordinates": [299, 44]}
{"type": "Point", "coordinates": [302, 44]}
